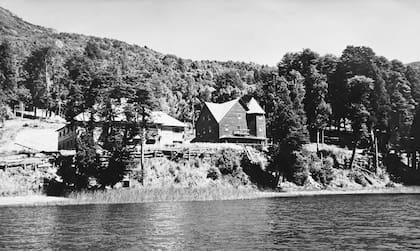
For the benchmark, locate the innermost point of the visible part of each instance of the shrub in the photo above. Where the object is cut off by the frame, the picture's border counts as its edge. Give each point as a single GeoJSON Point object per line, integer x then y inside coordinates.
{"type": "Point", "coordinates": [322, 171]}
{"type": "Point", "coordinates": [240, 177]}
{"type": "Point", "coordinates": [228, 161]}
{"type": "Point", "coordinates": [213, 173]}
{"type": "Point", "coordinates": [257, 173]}
{"type": "Point", "coordinates": [55, 188]}
{"type": "Point", "coordinates": [301, 167]}
{"type": "Point", "coordinates": [357, 177]}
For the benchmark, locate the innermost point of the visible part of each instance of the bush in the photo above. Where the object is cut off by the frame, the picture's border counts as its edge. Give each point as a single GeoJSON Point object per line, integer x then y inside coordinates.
{"type": "Point", "coordinates": [54, 188]}
{"type": "Point", "coordinates": [399, 172]}
{"type": "Point", "coordinates": [240, 177]}
{"type": "Point", "coordinates": [213, 173]}
{"type": "Point", "coordinates": [228, 161]}
{"type": "Point", "coordinates": [335, 157]}
{"type": "Point", "coordinates": [322, 171]}
{"type": "Point", "coordinates": [257, 173]}
{"type": "Point", "coordinates": [301, 167]}
{"type": "Point", "coordinates": [357, 177]}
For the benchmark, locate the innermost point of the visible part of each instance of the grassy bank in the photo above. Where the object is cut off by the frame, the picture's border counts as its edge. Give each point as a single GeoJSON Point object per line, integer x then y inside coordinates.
{"type": "Point", "coordinates": [216, 193]}
{"type": "Point", "coordinates": [155, 194]}
{"type": "Point", "coordinates": [19, 181]}
{"type": "Point", "coordinates": [220, 176]}
{"type": "Point", "coordinates": [148, 195]}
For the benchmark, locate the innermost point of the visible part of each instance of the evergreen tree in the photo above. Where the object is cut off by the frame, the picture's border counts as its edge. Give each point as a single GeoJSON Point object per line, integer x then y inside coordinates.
{"type": "Point", "coordinates": [282, 100]}
{"type": "Point", "coordinates": [87, 164]}
{"type": "Point", "coordinates": [8, 74]}
{"type": "Point", "coordinates": [38, 72]}
{"type": "Point", "coordinates": [360, 108]}
{"type": "Point", "coordinates": [402, 105]}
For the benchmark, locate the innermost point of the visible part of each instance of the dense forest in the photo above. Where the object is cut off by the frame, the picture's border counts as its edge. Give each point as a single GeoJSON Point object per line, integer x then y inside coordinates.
{"type": "Point", "coordinates": [372, 98]}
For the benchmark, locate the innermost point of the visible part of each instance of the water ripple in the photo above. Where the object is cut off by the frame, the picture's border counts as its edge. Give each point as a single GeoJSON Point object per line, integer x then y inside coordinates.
{"type": "Point", "coordinates": [306, 223]}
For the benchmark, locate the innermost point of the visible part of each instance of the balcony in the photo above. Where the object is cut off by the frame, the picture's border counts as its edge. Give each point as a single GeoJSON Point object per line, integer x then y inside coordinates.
{"type": "Point", "coordinates": [241, 132]}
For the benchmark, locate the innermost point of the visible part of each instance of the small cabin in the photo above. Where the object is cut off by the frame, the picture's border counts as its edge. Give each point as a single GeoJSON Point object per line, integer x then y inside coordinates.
{"type": "Point", "coordinates": [241, 120]}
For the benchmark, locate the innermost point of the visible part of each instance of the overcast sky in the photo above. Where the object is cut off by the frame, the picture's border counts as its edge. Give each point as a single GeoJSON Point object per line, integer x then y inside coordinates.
{"type": "Point", "coordinates": [259, 31]}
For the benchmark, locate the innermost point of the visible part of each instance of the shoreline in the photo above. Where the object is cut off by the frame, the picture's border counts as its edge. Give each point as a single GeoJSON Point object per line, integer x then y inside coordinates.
{"type": "Point", "coordinates": [43, 200]}
{"type": "Point", "coordinates": [32, 200]}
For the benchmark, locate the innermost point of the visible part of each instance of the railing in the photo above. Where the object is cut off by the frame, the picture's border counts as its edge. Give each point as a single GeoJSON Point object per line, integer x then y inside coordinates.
{"type": "Point", "coordinates": [241, 132]}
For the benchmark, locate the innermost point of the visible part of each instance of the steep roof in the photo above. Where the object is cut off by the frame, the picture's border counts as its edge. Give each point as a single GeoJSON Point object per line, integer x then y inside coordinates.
{"type": "Point", "coordinates": [156, 117]}
{"type": "Point", "coordinates": [85, 117]}
{"type": "Point", "coordinates": [254, 107]}
{"type": "Point", "coordinates": [219, 110]}
{"type": "Point", "coordinates": [162, 118]}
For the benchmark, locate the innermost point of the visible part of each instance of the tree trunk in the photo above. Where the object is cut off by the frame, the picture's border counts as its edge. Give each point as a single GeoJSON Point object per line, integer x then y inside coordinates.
{"type": "Point", "coordinates": [408, 159]}
{"type": "Point", "coordinates": [414, 160]}
{"type": "Point", "coordinates": [317, 141]}
{"type": "Point", "coordinates": [338, 125]}
{"type": "Point", "coordinates": [323, 136]}
{"type": "Point", "coordinates": [22, 106]}
{"type": "Point", "coordinates": [143, 135]}
{"type": "Point", "coordinates": [376, 155]}
{"type": "Point", "coordinates": [142, 139]}
{"type": "Point", "coordinates": [356, 139]}
{"type": "Point", "coordinates": [277, 180]}
{"type": "Point", "coordinates": [59, 108]}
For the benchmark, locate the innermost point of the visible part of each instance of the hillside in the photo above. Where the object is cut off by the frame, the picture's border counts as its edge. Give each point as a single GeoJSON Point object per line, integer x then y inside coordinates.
{"type": "Point", "coordinates": [177, 77]}
{"type": "Point", "coordinates": [415, 65]}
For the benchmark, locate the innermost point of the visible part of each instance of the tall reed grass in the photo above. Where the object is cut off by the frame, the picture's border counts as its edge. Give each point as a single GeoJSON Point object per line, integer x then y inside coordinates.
{"type": "Point", "coordinates": [155, 194]}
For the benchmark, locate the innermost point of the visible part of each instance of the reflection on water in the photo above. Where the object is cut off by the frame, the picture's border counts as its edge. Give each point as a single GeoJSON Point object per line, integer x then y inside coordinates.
{"type": "Point", "coordinates": [327, 222]}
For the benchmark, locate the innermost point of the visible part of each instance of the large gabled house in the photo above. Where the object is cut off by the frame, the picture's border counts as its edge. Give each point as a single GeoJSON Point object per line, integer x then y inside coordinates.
{"type": "Point", "coordinates": [241, 120]}
{"type": "Point", "coordinates": [162, 130]}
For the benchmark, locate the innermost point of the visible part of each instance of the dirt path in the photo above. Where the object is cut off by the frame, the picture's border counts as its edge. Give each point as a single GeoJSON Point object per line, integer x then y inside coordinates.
{"type": "Point", "coordinates": [30, 133]}
{"type": "Point", "coordinates": [8, 135]}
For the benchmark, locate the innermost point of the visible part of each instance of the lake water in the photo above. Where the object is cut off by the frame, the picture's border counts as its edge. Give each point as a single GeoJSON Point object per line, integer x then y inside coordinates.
{"type": "Point", "coordinates": [322, 222]}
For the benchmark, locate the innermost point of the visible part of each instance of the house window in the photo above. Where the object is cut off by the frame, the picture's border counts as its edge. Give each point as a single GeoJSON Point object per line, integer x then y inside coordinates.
{"type": "Point", "coordinates": [209, 129]}
{"type": "Point", "coordinates": [177, 129]}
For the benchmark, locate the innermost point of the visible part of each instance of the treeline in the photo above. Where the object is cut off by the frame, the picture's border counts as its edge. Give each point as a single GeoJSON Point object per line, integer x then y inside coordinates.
{"type": "Point", "coordinates": [45, 78]}
{"type": "Point", "coordinates": [97, 80]}
{"type": "Point", "coordinates": [371, 97]}
{"type": "Point", "coordinates": [367, 95]}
